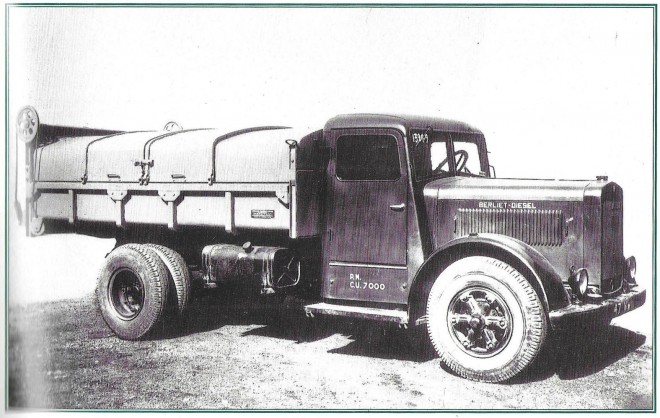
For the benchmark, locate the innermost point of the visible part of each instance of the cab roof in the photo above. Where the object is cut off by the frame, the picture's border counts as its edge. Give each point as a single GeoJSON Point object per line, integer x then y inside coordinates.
{"type": "Point", "coordinates": [401, 122]}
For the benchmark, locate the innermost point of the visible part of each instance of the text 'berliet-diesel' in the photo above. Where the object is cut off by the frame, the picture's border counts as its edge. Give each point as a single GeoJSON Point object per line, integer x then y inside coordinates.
{"type": "Point", "coordinates": [388, 218]}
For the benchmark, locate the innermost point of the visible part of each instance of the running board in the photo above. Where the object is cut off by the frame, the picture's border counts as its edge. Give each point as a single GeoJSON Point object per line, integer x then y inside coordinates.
{"type": "Point", "coordinates": [385, 315]}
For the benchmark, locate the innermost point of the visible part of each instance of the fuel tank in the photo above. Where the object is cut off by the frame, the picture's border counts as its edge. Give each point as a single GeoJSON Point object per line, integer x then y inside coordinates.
{"type": "Point", "coordinates": [573, 223]}
{"type": "Point", "coordinates": [273, 267]}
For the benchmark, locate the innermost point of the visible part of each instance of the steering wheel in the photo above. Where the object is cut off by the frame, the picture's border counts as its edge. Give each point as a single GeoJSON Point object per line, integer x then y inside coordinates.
{"type": "Point", "coordinates": [461, 158]}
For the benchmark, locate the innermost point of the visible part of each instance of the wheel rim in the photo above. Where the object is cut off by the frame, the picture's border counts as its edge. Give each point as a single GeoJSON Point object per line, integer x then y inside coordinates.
{"type": "Point", "coordinates": [479, 321]}
{"type": "Point", "coordinates": [126, 294]}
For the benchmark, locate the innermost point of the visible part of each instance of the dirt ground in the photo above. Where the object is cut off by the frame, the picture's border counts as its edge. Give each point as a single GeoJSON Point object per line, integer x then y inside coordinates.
{"type": "Point", "coordinates": [234, 352]}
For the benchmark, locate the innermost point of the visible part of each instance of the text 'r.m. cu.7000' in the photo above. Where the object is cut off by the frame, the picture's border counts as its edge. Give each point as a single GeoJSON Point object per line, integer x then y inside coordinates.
{"type": "Point", "coordinates": [387, 218]}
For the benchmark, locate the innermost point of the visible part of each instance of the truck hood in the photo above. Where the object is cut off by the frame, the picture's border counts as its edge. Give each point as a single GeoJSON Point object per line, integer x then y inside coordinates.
{"type": "Point", "coordinates": [570, 222]}
{"type": "Point", "coordinates": [480, 188]}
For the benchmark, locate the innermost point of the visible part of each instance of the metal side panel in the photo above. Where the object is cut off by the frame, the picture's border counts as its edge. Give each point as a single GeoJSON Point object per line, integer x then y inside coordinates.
{"type": "Point", "coordinates": [254, 157]}
{"type": "Point", "coordinates": [114, 159]}
{"type": "Point", "coordinates": [194, 210]}
{"type": "Point", "coordinates": [309, 202]}
{"type": "Point", "coordinates": [182, 157]}
{"type": "Point", "coordinates": [170, 207]}
{"type": "Point", "coordinates": [536, 227]}
{"type": "Point", "coordinates": [260, 212]}
{"type": "Point", "coordinates": [63, 160]}
{"type": "Point", "coordinates": [54, 205]}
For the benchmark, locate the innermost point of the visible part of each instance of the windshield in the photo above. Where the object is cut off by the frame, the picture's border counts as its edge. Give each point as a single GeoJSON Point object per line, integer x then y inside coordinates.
{"type": "Point", "coordinates": [442, 154]}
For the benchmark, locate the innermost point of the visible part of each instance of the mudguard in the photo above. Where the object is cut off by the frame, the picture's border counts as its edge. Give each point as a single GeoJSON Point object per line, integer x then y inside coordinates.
{"type": "Point", "coordinates": [542, 275]}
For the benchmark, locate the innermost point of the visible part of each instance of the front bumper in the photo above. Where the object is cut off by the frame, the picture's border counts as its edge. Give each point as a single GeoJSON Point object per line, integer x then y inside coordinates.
{"type": "Point", "coordinates": [590, 314]}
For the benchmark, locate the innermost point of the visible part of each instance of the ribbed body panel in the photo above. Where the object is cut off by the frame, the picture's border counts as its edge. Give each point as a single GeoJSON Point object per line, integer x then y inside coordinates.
{"type": "Point", "coordinates": [532, 226]}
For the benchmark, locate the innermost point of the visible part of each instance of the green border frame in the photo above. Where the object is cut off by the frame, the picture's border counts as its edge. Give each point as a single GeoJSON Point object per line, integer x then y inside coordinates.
{"type": "Point", "coordinates": [653, 6]}
{"type": "Point", "coordinates": [344, 5]}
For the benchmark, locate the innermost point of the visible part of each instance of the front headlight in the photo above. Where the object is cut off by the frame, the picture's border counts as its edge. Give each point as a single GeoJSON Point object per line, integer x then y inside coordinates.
{"type": "Point", "coordinates": [579, 281]}
{"type": "Point", "coordinates": [631, 265]}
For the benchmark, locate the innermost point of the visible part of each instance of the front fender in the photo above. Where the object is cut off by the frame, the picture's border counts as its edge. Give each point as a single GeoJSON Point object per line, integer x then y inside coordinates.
{"type": "Point", "coordinates": [532, 264]}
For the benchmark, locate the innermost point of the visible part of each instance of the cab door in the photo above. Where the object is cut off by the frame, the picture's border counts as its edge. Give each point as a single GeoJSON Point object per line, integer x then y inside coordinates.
{"type": "Point", "coordinates": [365, 247]}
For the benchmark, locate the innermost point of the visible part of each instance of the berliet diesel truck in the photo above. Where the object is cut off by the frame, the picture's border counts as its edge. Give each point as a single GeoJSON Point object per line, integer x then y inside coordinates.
{"type": "Point", "coordinates": [390, 218]}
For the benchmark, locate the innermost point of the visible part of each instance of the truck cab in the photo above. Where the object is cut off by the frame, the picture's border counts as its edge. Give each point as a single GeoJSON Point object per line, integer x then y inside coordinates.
{"type": "Point", "coordinates": [377, 228]}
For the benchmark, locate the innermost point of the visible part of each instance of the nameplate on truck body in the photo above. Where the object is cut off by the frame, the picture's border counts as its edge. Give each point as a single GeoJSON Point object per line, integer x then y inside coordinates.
{"type": "Point", "coordinates": [262, 214]}
{"type": "Point", "coordinates": [507, 205]}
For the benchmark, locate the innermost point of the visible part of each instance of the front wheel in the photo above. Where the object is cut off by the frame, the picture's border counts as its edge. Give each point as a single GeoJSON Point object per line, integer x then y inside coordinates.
{"type": "Point", "coordinates": [485, 320]}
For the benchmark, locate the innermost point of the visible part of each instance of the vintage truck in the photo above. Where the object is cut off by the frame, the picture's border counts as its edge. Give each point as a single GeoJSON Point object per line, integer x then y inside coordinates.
{"type": "Point", "coordinates": [390, 218]}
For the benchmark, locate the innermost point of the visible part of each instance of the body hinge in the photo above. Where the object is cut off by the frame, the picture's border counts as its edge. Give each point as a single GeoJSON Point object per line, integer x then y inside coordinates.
{"type": "Point", "coordinates": [118, 196]}
{"type": "Point", "coordinates": [170, 197]}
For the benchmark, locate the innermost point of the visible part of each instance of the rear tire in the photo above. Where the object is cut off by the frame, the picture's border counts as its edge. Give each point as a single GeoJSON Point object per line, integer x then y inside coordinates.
{"type": "Point", "coordinates": [485, 320]}
{"type": "Point", "coordinates": [179, 272]}
{"type": "Point", "coordinates": [132, 291]}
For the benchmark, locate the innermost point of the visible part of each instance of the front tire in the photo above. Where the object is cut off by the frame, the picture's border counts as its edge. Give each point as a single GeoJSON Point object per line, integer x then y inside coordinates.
{"type": "Point", "coordinates": [485, 320]}
{"type": "Point", "coordinates": [132, 291]}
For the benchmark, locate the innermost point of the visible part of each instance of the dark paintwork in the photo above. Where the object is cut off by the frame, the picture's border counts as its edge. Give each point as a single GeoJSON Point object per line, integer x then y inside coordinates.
{"type": "Point", "coordinates": [414, 233]}
{"type": "Point", "coordinates": [363, 229]}
{"type": "Point", "coordinates": [401, 123]}
{"type": "Point", "coordinates": [559, 227]}
{"type": "Point", "coordinates": [529, 226]}
{"type": "Point", "coordinates": [554, 296]}
{"type": "Point", "coordinates": [603, 234]}
{"type": "Point", "coordinates": [310, 165]}
{"type": "Point", "coordinates": [374, 314]}
{"type": "Point", "coordinates": [588, 315]}
{"type": "Point", "coordinates": [263, 265]}
{"type": "Point", "coordinates": [52, 133]}
{"type": "Point", "coordinates": [577, 203]}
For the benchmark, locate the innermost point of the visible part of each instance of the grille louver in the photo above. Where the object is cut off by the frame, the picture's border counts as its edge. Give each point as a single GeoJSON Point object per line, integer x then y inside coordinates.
{"type": "Point", "coordinates": [532, 226]}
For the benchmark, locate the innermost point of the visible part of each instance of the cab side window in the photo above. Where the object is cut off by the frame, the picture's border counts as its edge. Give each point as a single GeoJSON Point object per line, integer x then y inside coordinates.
{"type": "Point", "coordinates": [367, 157]}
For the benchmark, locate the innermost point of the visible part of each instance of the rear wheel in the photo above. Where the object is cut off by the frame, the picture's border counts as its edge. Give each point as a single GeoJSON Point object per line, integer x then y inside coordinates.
{"type": "Point", "coordinates": [179, 272]}
{"type": "Point", "coordinates": [132, 291]}
{"type": "Point", "coordinates": [485, 320]}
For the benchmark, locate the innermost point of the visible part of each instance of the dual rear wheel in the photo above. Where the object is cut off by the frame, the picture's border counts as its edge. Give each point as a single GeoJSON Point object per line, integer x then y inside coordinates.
{"type": "Point", "coordinates": [139, 285]}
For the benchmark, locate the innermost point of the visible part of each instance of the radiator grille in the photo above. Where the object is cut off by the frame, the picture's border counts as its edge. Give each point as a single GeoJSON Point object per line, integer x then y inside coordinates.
{"type": "Point", "coordinates": [533, 226]}
{"type": "Point", "coordinates": [612, 245]}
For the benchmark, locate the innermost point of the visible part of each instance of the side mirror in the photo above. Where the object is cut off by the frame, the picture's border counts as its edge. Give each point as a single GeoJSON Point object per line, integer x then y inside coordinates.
{"type": "Point", "coordinates": [491, 171]}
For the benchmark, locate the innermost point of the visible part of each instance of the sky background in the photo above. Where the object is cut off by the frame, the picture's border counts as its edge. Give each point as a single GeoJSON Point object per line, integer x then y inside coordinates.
{"type": "Point", "coordinates": [559, 93]}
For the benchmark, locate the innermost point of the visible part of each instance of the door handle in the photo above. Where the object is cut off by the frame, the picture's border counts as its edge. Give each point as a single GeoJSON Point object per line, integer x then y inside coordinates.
{"type": "Point", "coordinates": [398, 208]}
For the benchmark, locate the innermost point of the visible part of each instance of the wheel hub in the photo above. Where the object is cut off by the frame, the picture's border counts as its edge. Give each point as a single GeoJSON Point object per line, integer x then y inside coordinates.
{"type": "Point", "coordinates": [126, 294]}
{"type": "Point", "coordinates": [480, 321]}
{"type": "Point", "coordinates": [476, 322]}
